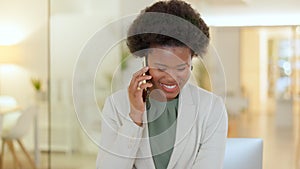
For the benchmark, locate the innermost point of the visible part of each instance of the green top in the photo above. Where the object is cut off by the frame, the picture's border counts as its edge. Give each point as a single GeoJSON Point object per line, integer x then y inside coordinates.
{"type": "Point", "coordinates": [162, 130]}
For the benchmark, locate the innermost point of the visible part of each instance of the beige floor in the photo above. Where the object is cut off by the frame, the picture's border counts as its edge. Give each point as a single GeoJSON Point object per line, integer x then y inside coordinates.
{"type": "Point", "coordinates": [58, 161]}
{"type": "Point", "coordinates": [280, 135]}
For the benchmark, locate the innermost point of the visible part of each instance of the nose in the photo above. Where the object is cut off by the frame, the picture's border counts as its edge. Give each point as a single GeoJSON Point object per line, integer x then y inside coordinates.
{"type": "Point", "coordinates": [171, 75]}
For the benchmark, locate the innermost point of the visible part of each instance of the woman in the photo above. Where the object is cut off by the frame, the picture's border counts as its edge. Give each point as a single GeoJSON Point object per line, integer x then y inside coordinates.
{"type": "Point", "coordinates": [178, 125]}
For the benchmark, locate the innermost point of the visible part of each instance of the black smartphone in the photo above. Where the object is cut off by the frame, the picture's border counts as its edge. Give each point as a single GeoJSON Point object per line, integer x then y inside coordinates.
{"type": "Point", "coordinates": [145, 91]}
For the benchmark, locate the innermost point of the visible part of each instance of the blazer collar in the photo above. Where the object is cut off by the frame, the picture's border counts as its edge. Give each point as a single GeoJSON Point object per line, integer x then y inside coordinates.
{"type": "Point", "coordinates": [185, 121]}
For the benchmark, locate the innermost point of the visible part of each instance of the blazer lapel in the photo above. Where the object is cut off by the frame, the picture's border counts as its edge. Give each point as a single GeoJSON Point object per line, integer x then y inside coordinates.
{"type": "Point", "coordinates": [145, 149]}
{"type": "Point", "coordinates": [144, 152]}
{"type": "Point", "coordinates": [185, 121]}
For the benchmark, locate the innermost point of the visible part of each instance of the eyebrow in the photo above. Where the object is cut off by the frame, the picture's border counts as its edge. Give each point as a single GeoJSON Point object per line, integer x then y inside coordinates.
{"type": "Point", "coordinates": [159, 64]}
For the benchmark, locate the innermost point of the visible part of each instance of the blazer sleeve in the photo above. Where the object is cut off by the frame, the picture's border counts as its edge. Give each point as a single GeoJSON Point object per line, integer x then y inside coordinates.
{"type": "Point", "coordinates": [119, 141]}
{"type": "Point", "coordinates": [212, 149]}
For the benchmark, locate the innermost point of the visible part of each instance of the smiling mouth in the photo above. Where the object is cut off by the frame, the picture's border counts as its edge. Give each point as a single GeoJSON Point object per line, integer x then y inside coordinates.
{"type": "Point", "coordinates": [168, 87]}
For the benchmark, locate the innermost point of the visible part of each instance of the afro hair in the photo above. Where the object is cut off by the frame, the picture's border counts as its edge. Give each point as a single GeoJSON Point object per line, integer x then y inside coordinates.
{"type": "Point", "coordinates": [168, 23]}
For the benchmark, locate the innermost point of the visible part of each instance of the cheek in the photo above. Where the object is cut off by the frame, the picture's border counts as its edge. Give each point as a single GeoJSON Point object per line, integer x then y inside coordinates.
{"type": "Point", "coordinates": [184, 76]}
{"type": "Point", "coordinates": [156, 74]}
{"type": "Point", "coordinates": [156, 78]}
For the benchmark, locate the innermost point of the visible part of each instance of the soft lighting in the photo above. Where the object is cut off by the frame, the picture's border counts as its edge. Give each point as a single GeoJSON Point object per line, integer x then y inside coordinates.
{"type": "Point", "coordinates": [9, 68]}
{"type": "Point", "coordinates": [7, 103]}
{"type": "Point", "coordinates": [10, 54]}
{"type": "Point", "coordinates": [287, 68]}
{"type": "Point", "coordinates": [266, 19]}
{"type": "Point", "coordinates": [10, 35]}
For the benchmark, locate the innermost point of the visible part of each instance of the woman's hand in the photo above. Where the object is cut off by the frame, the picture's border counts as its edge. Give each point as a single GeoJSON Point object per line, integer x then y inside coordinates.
{"type": "Point", "coordinates": [135, 92]}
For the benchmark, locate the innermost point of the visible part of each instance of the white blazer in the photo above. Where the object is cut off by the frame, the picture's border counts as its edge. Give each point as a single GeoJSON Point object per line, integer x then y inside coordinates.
{"type": "Point", "coordinates": [200, 134]}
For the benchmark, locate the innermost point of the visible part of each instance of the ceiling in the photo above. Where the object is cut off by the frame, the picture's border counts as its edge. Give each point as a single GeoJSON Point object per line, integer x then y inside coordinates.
{"type": "Point", "coordinates": [249, 12]}
{"type": "Point", "coordinates": [227, 2]}
{"type": "Point", "coordinates": [215, 12]}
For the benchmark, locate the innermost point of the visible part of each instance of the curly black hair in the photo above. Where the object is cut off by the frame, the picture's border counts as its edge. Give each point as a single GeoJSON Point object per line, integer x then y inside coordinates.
{"type": "Point", "coordinates": [168, 23]}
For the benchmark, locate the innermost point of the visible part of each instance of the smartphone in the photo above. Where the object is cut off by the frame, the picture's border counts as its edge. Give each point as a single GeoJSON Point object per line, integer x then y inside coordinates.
{"type": "Point", "coordinates": [145, 91]}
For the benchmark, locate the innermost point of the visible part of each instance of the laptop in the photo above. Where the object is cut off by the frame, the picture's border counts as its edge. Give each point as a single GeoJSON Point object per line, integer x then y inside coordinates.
{"type": "Point", "coordinates": [243, 153]}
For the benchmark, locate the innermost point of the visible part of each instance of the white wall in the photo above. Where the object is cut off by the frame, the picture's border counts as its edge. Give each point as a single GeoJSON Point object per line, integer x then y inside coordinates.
{"type": "Point", "coordinates": [30, 21]}
{"type": "Point", "coordinates": [226, 41]}
{"type": "Point", "coordinates": [253, 13]}
{"type": "Point", "coordinates": [69, 34]}
{"type": "Point", "coordinates": [73, 23]}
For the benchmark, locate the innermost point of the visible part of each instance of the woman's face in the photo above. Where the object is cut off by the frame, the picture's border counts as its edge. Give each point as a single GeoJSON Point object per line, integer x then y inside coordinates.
{"type": "Point", "coordinates": [170, 69]}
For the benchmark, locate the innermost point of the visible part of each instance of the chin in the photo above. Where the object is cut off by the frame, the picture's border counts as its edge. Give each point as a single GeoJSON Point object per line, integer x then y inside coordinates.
{"type": "Point", "coordinates": [160, 94]}
{"type": "Point", "coordinates": [171, 96]}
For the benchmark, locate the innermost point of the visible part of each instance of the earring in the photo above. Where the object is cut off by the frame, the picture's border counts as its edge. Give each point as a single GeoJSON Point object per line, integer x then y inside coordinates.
{"type": "Point", "coordinates": [192, 67]}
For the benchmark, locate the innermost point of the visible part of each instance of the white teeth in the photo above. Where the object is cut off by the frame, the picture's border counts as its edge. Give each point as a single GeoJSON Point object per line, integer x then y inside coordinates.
{"type": "Point", "coordinates": [170, 87]}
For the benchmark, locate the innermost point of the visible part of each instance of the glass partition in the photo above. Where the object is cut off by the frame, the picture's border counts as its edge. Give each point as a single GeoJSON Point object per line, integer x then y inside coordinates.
{"type": "Point", "coordinates": [24, 82]}
{"type": "Point", "coordinates": [73, 25]}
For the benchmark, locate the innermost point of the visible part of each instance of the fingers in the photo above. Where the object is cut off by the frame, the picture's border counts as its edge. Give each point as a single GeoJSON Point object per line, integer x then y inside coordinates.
{"type": "Point", "coordinates": [141, 82]}
{"type": "Point", "coordinates": [140, 72]}
{"type": "Point", "coordinates": [142, 79]}
{"type": "Point", "coordinates": [144, 86]}
{"type": "Point", "coordinates": [138, 78]}
{"type": "Point", "coordinates": [135, 89]}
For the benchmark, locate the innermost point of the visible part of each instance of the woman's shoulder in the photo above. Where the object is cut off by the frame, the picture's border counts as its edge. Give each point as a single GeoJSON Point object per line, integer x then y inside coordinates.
{"type": "Point", "coordinates": [119, 96]}
{"type": "Point", "coordinates": [119, 99]}
{"type": "Point", "coordinates": [120, 93]}
{"type": "Point", "coordinates": [199, 92]}
{"type": "Point", "coordinates": [205, 100]}
{"type": "Point", "coordinates": [210, 105]}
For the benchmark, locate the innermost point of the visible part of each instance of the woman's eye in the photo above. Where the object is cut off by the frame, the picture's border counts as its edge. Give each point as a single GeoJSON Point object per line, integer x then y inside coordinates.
{"type": "Point", "coordinates": [181, 69]}
{"type": "Point", "coordinates": [162, 69]}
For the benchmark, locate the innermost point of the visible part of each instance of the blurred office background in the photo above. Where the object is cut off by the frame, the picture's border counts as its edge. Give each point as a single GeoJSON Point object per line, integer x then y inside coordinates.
{"type": "Point", "coordinates": [253, 63]}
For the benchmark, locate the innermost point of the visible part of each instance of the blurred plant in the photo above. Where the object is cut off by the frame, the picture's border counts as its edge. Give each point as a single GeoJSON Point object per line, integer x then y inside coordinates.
{"type": "Point", "coordinates": [37, 84]}
{"type": "Point", "coordinates": [201, 74]}
{"type": "Point", "coordinates": [124, 56]}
